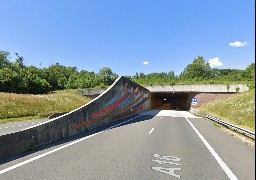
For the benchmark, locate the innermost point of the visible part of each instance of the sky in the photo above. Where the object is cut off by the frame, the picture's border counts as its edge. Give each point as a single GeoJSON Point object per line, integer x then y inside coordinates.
{"type": "Point", "coordinates": [129, 36]}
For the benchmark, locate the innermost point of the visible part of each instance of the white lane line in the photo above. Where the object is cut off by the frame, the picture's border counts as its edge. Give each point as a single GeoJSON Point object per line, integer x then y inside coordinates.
{"type": "Point", "coordinates": [19, 125]}
{"type": "Point", "coordinates": [151, 130]}
{"type": "Point", "coordinates": [62, 147]}
{"type": "Point", "coordinates": [215, 155]}
{"type": "Point", "coordinates": [45, 154]}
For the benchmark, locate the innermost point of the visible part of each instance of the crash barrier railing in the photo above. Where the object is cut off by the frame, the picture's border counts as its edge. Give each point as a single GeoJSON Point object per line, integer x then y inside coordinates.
{"type": "Point", "coordinates": [231, 126]}
{"type": "Point", "coordinates": [238, 129]}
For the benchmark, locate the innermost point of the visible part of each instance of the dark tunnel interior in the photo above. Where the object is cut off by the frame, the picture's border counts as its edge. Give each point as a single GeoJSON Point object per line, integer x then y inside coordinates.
{"type": "Point", "coordinates": [170, 100]}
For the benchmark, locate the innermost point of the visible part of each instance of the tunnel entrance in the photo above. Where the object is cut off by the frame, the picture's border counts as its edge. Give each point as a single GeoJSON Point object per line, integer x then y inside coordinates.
{"type": "Point", "coordinates": [170, 100]}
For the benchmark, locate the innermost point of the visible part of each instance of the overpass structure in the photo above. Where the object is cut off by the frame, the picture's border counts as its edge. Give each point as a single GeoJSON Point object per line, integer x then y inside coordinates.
{"type": "Point", "coordinates": [181, 96]}
{"type": "Point", "coordinates": [185, 96]}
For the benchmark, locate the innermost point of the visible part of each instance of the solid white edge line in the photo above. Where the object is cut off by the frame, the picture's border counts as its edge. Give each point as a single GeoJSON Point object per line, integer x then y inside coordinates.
{"type": "Point", "coordinates": [215, 155]}
{"type": "Point", "coordinates": [44, 154]}
{"type": "Point", "coordinates": [62, 147]}
{"type": "Point", "coordinates": [151, 130]}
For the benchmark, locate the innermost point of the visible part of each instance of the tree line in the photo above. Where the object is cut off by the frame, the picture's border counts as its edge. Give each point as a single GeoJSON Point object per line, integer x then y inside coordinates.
{"type": "Point", "coordinates": [199, 72]}
{"type": "Point", "coordinates": [15, 77]}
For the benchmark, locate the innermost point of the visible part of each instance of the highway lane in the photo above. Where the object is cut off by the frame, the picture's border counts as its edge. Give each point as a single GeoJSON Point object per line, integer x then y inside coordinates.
{"type": "Point", "coordinates": [159, 145]}
{"type": "Point", "coordinates": [12, 127]}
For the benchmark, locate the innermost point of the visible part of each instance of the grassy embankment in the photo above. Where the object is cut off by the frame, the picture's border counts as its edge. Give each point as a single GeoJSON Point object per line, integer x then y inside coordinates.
{"type": "Point", "coordinates": [238, 109]}
{"type": "Point", "coordinates": [16, 107]}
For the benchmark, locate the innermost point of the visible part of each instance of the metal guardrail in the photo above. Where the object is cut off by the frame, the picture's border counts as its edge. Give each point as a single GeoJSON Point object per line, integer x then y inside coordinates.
{"type": "Point", "coordinates": [238, 129]}
{"type": "Point", "coordinates": [231, 126]}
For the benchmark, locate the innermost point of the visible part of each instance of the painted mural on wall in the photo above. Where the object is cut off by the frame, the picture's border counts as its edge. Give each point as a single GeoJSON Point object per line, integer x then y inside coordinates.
{"type": "Point", "coordinates": [125, 103]}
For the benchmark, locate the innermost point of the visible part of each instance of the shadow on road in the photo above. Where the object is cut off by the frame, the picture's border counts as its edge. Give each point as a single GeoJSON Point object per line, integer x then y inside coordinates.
{"type": "Point", "coordinates": [121, 122]}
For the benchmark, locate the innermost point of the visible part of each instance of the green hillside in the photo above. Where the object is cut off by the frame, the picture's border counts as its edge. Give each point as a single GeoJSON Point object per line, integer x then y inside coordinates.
{"type": "Point", "coordinates": [238, 109]}
{"type": "Point", "coordinates": [15, 107]}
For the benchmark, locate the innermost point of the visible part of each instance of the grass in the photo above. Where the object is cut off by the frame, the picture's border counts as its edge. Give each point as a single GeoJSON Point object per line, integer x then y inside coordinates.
{"type": "Point", "coordinates": [16, 107]}
{"type": "Point", "coordinates": [238, 109]}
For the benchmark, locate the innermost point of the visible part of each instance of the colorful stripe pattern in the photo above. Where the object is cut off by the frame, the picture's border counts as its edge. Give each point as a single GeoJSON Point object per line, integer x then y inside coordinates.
{"type": "Point", "coordinates": [117, 95]}
{"type": "Point", "coordinates": [118, 107]}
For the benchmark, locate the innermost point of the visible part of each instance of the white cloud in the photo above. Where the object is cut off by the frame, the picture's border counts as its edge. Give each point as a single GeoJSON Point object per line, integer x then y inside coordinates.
{"type": "Point", "coordinates": [215, 62]}
{"type": "Point", "coordinates": [145, 62]}
{"type": "Point", "coordinates": [238, 44]}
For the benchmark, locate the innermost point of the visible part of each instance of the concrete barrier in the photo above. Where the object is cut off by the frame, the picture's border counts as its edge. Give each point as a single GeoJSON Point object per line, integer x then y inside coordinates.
{"type": "Point", "coordinates": [218, 88]}
{"type": "Point", "coordinates": [91, 92]}
{"type": "Point", "coordinates": [123, 98]}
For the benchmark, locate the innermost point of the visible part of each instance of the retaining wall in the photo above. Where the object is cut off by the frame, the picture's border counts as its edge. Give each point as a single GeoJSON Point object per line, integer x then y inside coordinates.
{"type": "Point", "coordinates": [207, 97]}
{"type": "Point", "coordinates": [124, 98]}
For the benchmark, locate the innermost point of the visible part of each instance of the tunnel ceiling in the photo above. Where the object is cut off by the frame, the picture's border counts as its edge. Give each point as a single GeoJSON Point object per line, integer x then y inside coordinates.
{"type": "Point", "coordinates": [170, 95]}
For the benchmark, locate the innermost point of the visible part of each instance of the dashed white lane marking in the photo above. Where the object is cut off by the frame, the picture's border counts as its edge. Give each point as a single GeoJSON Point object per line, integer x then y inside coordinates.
{"type": "Point", "coordinates": [151, 130]}
{"type": "Point", "coordinates": [19, 125]}
{"type": "Point", "coordinates": [215, 155]}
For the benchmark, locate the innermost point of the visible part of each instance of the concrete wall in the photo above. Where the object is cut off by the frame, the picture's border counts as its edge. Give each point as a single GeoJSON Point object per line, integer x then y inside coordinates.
{"type": "Point", "coordinates": [207, 97]}
{"type": "Point", "coordinates": [155, 101]}
{"type": "Point", "coordinates": [219, 88]}
{"type": "Point", "coordinates": [91, 92]}
{"type": "Point", "coordinates": [122, 99]}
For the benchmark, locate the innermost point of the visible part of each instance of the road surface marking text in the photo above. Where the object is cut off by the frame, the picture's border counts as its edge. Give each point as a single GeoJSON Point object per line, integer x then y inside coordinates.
{"type": "Point", "coordinates": [169, 160]}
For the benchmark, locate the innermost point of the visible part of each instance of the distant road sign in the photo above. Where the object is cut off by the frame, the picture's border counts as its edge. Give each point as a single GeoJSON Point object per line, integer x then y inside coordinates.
{"type": "Point", "coordinates": [194, 101]}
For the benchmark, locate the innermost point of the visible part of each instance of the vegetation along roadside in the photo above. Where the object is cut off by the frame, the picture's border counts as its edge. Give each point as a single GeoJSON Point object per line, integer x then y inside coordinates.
{"type": "Point", "coordinates": [238, 109]}
{"type": "Point", "coordinates": [16, 107]}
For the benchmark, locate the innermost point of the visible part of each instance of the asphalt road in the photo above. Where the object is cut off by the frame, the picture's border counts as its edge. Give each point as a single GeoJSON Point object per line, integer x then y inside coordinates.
{"type": "Point", "coordinates": [157, 145]}
{"type": "Point", "coordinates": [12, 127]}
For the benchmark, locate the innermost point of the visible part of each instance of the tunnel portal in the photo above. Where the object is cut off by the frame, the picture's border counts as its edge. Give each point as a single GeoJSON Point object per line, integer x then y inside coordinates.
{"type": "Point", "coordinates": [170, 100]}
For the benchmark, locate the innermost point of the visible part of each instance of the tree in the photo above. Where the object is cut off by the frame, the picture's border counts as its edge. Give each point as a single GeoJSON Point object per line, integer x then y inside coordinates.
{"type": "Point", "coordinates": [106, 76]}
{"type": "Point", "coordinates": [171, 74]}
{"type": "Point", "coordinates": [199, 69]}
{"type": "Point", "coordinates": [86, 79]}
{"type": "Point", "coordinates": [4, 58]}
{"type": "Point", "coordinates": [249, 72]}
{"type": "Point", "coordinates": [32, 81]}
{"type": "Point", "coordinates": [19, 61]}
{"type": "Point", "coordinates": [9, 80]}
{"type": "Point", "coordinates": [57, 76]}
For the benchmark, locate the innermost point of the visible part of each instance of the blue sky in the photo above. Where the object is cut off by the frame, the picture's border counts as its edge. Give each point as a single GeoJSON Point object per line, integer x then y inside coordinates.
{"type": "Point", "coordinates": [129, 36]}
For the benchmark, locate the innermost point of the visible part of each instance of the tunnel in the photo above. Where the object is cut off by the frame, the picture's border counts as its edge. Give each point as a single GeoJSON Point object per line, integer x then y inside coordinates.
{"type": "Point", "coordinates": [170, 100]}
